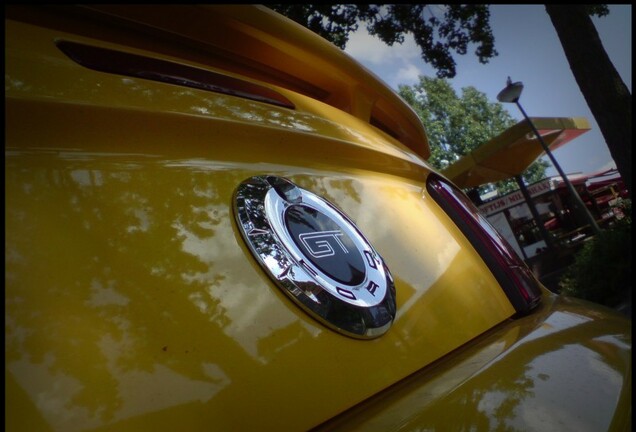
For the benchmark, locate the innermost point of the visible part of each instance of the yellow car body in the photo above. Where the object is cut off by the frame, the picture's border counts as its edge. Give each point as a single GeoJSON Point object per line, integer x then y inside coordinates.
{"type": "Point", "coordinates": [132, 301]}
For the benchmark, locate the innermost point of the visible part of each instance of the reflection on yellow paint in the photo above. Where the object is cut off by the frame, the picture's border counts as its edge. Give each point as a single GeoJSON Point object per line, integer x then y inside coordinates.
{"type": "Point", "coordinates": [566, 374]}
{"type": "Point", "coordinates": [126, 273]}
{"type": "Point", "coordinates": [132, 302]}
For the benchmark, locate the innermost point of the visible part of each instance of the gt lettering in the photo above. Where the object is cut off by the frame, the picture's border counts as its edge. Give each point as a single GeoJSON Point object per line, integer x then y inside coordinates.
{"type": "Point", "coordinates": [323, 243]}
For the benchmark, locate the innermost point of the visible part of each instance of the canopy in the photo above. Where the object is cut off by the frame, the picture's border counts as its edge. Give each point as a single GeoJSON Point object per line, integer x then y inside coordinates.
{"type": "Point", "coordinates": [513, 151]}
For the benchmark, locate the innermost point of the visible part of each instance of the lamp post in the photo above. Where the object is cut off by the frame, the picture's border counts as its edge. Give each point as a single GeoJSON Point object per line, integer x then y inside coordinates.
{"type": "Point", "coordinates": [511, 93]}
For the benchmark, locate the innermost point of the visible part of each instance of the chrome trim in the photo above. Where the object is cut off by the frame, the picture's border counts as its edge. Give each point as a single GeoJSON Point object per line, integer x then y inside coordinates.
{"type": "Point", "coordinates": [363, 310]}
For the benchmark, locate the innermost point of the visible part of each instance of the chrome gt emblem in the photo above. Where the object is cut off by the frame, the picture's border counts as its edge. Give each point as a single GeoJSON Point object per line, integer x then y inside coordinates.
{"type": "Point", "coordinates": [316, 255]}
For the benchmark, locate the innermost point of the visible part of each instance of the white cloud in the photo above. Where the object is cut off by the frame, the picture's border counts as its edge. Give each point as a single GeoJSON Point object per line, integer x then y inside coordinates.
{"type": "Point", "coordinates": [366, 48]}
{"type": "Point", "coordinates": [370, 49]}
{"type": "Point", "coordinates": [409, 74]}
{"type": "Point", "coordinates": [395, 64]}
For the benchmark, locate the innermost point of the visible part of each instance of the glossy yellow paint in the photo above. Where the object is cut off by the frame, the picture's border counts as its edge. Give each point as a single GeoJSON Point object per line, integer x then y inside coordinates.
{"type": "Point", "coordinates": [126, 274]}
{"type": "Point", "coordinates": [131, 301]}
{"type": "Point", "coordinates": [247, 40]}
{"type": "Point", "coordinates": [567, 367]}
{"type": "Point", "coordinates": [31, 50]}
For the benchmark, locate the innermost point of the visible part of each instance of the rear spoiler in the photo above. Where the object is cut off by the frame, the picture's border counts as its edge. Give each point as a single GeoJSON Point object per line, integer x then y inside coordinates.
{"type": "Point", "coordinates": [256, 42]}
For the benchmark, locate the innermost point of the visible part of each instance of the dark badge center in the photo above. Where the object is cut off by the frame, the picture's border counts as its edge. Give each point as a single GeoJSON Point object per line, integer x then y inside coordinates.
{"type": "Point", "coordinates": [325, 244]}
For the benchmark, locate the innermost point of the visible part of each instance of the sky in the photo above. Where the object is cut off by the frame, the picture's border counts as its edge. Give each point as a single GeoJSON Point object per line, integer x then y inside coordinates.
{"type": "Point", "coordinates": [529, 51]}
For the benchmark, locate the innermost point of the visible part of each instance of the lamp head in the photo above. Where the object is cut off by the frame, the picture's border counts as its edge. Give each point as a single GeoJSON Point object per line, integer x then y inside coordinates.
{"type": "Point", "coordinates": [511, 93]}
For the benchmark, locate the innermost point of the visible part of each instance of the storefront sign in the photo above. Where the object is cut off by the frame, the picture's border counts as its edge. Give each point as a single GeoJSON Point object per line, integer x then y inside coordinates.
{"type": "Point", "coordinates": [515, 198]}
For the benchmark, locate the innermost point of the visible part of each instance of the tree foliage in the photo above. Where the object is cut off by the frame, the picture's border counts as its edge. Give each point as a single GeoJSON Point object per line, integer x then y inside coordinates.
{"type": "Point", "coordinates": [602, 270]}
{"type": "Point", "coordinates": [456, 125]}
{"type": "Point", "coordinates": [439, 30]}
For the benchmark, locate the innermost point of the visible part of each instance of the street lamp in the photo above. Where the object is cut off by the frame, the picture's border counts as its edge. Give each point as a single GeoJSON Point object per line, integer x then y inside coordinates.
{"type": "Point", "coordinates": [512, 93]}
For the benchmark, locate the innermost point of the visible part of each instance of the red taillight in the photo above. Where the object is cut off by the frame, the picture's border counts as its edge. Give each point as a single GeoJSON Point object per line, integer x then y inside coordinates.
{"type": "Point", "coordinates": [511, 272]}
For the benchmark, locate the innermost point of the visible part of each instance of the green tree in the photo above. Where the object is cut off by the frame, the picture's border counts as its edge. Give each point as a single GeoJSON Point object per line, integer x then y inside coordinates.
{"type": "Point", "coordinates": [443, 30]}
{"type": "Point", "coordinates": [602, 269]}
{"type": "Point", "coordinates": [456, 125]}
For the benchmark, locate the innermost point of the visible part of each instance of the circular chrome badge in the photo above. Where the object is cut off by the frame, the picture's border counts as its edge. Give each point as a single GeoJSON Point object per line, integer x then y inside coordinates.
{"type": "Point", "coordinates": [316, 255]}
